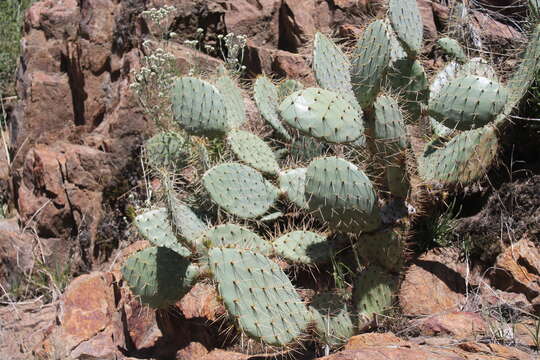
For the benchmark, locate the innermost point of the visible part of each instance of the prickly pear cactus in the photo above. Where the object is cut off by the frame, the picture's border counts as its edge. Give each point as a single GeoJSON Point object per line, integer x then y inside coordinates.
{"type": "Point", "coordinates": [304, 247]}
{"type": "Point", "coordinates": [252, 150]}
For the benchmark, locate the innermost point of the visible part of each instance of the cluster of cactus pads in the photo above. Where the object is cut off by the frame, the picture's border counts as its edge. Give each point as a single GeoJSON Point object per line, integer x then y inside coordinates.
{"type": "Point", "coordinates": [334, 170]}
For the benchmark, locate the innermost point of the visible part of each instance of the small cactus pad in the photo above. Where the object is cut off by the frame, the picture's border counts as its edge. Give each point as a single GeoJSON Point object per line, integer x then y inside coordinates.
{"type": "Point", "coordinates": [198, 107]}
{"type": "Point", "coordinates": [521, 80]}
{"type": "Point", "coordinates": [468, 102]}
{"type": "Point", "coordinates": [333, 323]}
{"type": "Point", "coordinates": [322, 114]}
{"type": "Point", "coordinates": [409, 79]}
{"type": "Point", "coordinates": [407, 23]}
{"type": "Point", "coordinates": [478, 67]}
{"type": "Point", "coordinates": [330, 65]}
{"type": "Point", "coordinates": [370, 63]}
{"type": "Point", "coordinates": [389, 128]}
{"type": "Point", "coordinates": [234, 102]}
{"type": "Point", "coordinates": [372, 294]}
{"type": "Point", "coordinates": [452, 48]}
{"type": "Point", "coordinates": [443, 77]}
{"type": "Point", "coordinates": [159, 276]}
{"type": "Point", "coordinates": [303, 247]}
{"type": "Point", "coordinates": [187, 224]}
{"type": "Point", "coordinates": [267, 99]}
{"type": "Point", "coordinates": [384, 248]}
{"type": "Point", "coordinates": [253, 151]}
{"type": "Point", "coordinates": [463, 159]}
{"type": "Point", "coordinates": [303, 149]}
{"type": "Point", "coordinates": [166, 150]}
{"type": "Point", "coordinates": [155, 226]}
{"type": "Point", "coordinates": [342, 195]}
{"type": "Point", "coordinates": [287, 87]}
{"type": "Point", "coordinates": [235, 236]}
{"type": "Point", "coordinates": [258, 294]}
{"type": "Point", "coordinates": [293, 183]}
{"type": "Point", "coordinates": [240, 190]}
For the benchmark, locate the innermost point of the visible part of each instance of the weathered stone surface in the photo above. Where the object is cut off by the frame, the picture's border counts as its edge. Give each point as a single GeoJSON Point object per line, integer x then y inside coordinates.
{"type": "Point", "coordinates": [373, 339]}
{"type": "Point", "coordinates": [439, 272]}
{"type": "Point", "coordinates": [222, 354]}
{"type": "Point", "coordinates": [517, 269]}
{"type": "Point", "coordinates": [201, 302]}
{"type": "Point", "coordinates": [459, 325]}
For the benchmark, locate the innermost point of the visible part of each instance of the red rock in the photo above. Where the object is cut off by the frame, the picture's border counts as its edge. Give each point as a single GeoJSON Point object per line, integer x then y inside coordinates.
{"type": "Point", "coordinates": [201, 302]}
{"type": "Point", "coordinates": [373, 339]}
{"type": "Point", "coordinates": [437, 272]}
{"type": "Point", "coordinates": [194, 351]}
{"type": "Point", "coordinates": [459, 325]}
{"type": "Point", "coordinates": [517, 269]}
{"type": "Point", "coordinates": [222, 355]}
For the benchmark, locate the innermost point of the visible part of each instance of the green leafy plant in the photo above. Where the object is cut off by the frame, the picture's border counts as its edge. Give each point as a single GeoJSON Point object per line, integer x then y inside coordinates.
{"type": "Point", "coordinates": [342, 176]}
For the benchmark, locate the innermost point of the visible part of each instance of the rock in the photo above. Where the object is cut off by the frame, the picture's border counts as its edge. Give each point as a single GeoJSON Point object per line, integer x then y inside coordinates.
{"type": "Point", "coordinates": [373, 339]}
{"type": "Point", "coordinates": [517, 269]}
{"type": "Point", "coordinates": [24, 327]}
{"type": "Point", "coordinates": [222, 354]}
{"type": "Point", "coordinates": [440, 272]}
{"type": "Point", "coordinates": [494, 32]}
{"type": "Point", "coordinates": [201, 302]}
{"type": "Point", "coordinates": [16, 253]}
{"type": "Point", "coordinates": [89, 325]}
{"type": "Point", "coordinates": [458, 325]}
{"type": "Point", "coordinates": [194, 351]}
{"type": "Point", "coordinates": [428, 19]}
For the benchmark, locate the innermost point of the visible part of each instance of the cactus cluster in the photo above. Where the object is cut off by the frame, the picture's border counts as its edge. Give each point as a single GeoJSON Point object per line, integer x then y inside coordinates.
{"type": "Point", "coordinates": [334, 171]}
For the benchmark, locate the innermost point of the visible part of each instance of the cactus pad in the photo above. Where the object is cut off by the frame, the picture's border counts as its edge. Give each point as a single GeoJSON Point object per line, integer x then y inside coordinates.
{"type": "Point", "coordinates": [372, 294]}
{"type": "Point", "coordinates": [322, 114]}
{"type": "Point", "coordinates": [409, 79]}
{"type": "Point", "coordinates": [452, 48]}
{"type": "Point", "coordinates": [259, 296]}
{"type": "Point", "coordinates": [166, 149]}
{"type": "Point", "coordinates": [159, 276]}
{"type": "Point", "coordinates": [266, 97]}
{"type": "Point", "coordinates": [233, 100]}
{"type": "Point", "coordinates": [287, 87]}
{"type": "Point", "coordinates": [468, 102]}
{"type": "Point", "coordinates": [303, 247]}
{"type": "Point", "coordinates": [407, 23]}
{"type": "Point", "coordinates": [330, 65]}
{"type": "Point", "coordinates": [370, 63]}
{"type": "Point", "coordinates": [235, 236]}
{"type": "Point", "coordinates": [384, 248]}
{"type": "Point", "coordinates": [252, 150]}
{"type": "Point", "coordinates": [463, 159]}
{"type": "Point", "coordinates": [333, 323]}
{"type": "Point", "coordinates": [187, 224]}
{"type": "Point", "coordinates": [293, 183]}
{"type": "Point", "coordinates": [155, 226]}
{"type": "Point", "coordinates": [240, 190]}
{"type": "Point", "coordinates": [342, 195]}
{"type": "Point", "coordinates": [389, 127]}
{"type": "Point", "coordinates": [199, 108]}
{"type": "Point", "coordinates": [478, 67]}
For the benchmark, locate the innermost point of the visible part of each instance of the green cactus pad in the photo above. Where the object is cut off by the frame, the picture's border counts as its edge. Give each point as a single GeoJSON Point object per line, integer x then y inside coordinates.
{"type": "Point", "coordinates": [199, 108]}
{"type": "Point", "coordinates": [463, 159]}
{"type": "Point", "coordinates": [468, 102]}
{"type": "Point", "coordinates": [370, 63]}
{"type": "Point", "coordinates": [267, 100]}
{"type": "Point", "coordinates": [407, 23]}
{"type": "Point", "coordinates": [478, 67]}
{"type": "Point", "coordinates": [452, 48]}
{"type": "Point", "coordinates": [333, 322]}
{"type": "Point", "coordinates": [521, 80]}
{"type": "Point", "coordinates": [258, 294]}
{"type": "Point", "coordinates": [330, 65]}
{"type": "Point", "coordinates": [166, 150]}
{"type": "Point", "coordinates": [235, 236]}
{"type": "Point", "coordinates": [293, 183]}
{"type": "Point", "coordinates": [534, 8]}
{"type": "Point", "coordinates": [322, 114]}
{"type": "Point", "coordinates": [287, 87]}
{"type": "Point", "coordinates": [409, 79]}
{"type": "Point", "coordinates": [233, 100]}
{"type": "Point", "coordinates": [253, 151]}
{"type": "Point", "coordinates": [389, 127]}
{"type": "Point", "coordinates": [159, 276]}
{"type": "Point", "coordinates": [443, 77]}
{"type": "Point", "coordinates": [372, 294]}
{"type": "Point", "coordinates": [240, 190]}
{"type": "Point", "coordinates": [342, 195]}
{"type": "Point", "coordinates": [304, 149]}
{"type": "Point", "coordinates": [384, 248]}
{"type": "Point", "coordinates": [155, 226]}
{"type": "Point", "coordinates": [303, 247]}
{"type": "Point", "coordinates": [187, 224]}
{"type": "Point", "coordinates": [397, 179]}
